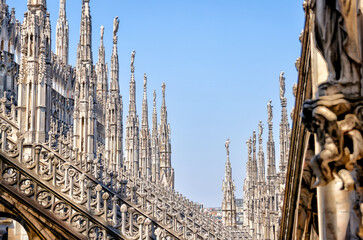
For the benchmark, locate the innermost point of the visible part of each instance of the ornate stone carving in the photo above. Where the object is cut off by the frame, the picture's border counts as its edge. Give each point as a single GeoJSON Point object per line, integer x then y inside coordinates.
{"type": "Point", "coordinates": [337, 122]}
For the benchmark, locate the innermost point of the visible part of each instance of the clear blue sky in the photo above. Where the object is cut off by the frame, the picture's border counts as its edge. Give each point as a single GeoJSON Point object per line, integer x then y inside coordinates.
{"type": "Point", "coordinates": [220, 61]}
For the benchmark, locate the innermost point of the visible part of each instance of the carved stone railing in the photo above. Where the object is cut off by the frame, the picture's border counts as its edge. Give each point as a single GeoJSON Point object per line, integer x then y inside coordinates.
{"type": "Point", "coordinates": [93, 201]}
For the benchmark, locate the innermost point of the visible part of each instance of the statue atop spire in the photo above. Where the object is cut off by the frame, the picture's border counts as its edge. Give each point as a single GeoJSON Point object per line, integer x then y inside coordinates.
{"type": "Point", "coordinates": [227, 146]}
{"type": "Point", "coordinates": [132, 61]}
{"type": "Point", "coordinates": [282, 85]}
{"type": "Point", "coordinates": [116, 23]}
{"type": "Point", "coordinates": [249, 146]}
{"type": "Point", "coordinates": [228, 188]}
{"type": "Point", "coordinates": [163, 88]}
{"type": "Point", "coordinates": [102, 32]}
{"type": "Point", "coordinates": [145, 82]}
{"type": "Point", "coordinates": [269, 112]}
{"type": "Point", "coordinates": [260, 132]}
{"type": "Point", "coordinates": [154, 97]}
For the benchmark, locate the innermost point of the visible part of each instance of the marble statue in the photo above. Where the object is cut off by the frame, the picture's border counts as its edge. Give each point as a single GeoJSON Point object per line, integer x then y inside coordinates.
{"type": "Point", "coordinates": [337, 34]}
{"type": "Point", "coordinates": [102, 31]}
{"type": "Point", "coordinates": [227, 145]}
{"type": "Point", "coordinates": [249, 146]}
{"type": "Point", "coordinates": [260, 131]}
{"type": "Point", "coordinates": [282, 85]}
{"type": "Point", "coordinates": [132, 61]}
{"type": "Point", "coordinates": [116, 23]}
{"type": "Point", "coordinates": [269, 112]}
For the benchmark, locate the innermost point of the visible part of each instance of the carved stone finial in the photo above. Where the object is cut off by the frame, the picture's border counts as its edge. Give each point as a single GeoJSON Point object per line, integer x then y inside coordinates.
{"type": "Point", "coordinates": [154, 99]}
{"type": "Point", "coordinates": [145, 81]}
{"type": "Point", "coordinates": [227, 146]}
{"type": "Point", "coordinates": [132, 61]}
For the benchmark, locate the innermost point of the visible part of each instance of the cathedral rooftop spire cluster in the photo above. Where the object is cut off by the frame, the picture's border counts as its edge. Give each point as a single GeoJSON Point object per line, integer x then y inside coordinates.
{"type": "Point", "coordinates": [83, 102]}
{"type": "Point", "coordinates": [262, 194]}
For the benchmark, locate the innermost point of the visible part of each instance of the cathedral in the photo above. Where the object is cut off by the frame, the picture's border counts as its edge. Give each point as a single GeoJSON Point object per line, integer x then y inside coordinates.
{"type": "Point", "coordinates": [73, 167]}
{"type": "Point", "coordinates": [81, 104]}
{"type": "Point", "coordinates": [263, 194]}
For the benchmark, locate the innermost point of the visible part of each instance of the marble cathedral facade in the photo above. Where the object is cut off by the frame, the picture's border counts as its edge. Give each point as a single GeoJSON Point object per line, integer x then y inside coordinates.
{"type": "Point", "coordinates": [81, 104]}
{"type": "Point", "coordinates": [262, 193]}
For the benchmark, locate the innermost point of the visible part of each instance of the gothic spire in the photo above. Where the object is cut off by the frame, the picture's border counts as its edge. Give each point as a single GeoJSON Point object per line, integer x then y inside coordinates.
{"type": "Point", "coordinates": [249, 159]}
{"type": "Point", "coordinates": [62, 9]}
{"type": "Point", "coordinates": [85, 41]}
{"type": "Point", "coordinates": [163, 113]}
{"type": "Point", "coordinates": [155, 160]}
{"type": "Point", "coordinates": [155, 117]}
{"type": "Point", "coordinates": [114, 106]}
{"type": "Point", "coordinates": [132, 128]}
{"type": "Point", "coordinates": [132, 104]}
{"type": "Point", "coordinates": [271, 162]}
{"type": "Point", "coordinates": [261, 157]}
{"type": "Point", "coordinates": [145, 141]}
{"type": "Point", "coordinates": [254, 160]}
{"type": "Point", "coordinates": [228, 188]}
{"type": "Point", "coordinates": [165, 145]}
{"type": "Point", "coordinates": [114, 59]}
{"type": "Point", "coordinates": [145, 121]}
{"type": "Point", "coordinates": [102, 71]}
{"type": "Point", "coordinates": [284, 127]}
{"type": "Point", "coordinates": [101, 51]}
{"type": "Point", "coordinates": [62, 34]}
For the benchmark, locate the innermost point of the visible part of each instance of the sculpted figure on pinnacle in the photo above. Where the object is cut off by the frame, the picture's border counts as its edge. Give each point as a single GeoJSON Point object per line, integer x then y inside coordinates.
{"type": "Point", "coordinates": [163, 89]}
{"type": "Point", "coordinates": [132, 61]}
{"type": "Point", "coordinates": [227, 145]}
{"type": "Point", "coordinates": [102, 31]}
{"type": "Point", "coordinates": [249, 146]}
{"type": "Point", "coordinates": [269, 112]}
{"type": "Point", "coordinates": [116, 23]}
{"type": "Point", "coordinates": [282, 85]}
{"type": "Point", "coordinates": [260, 132]}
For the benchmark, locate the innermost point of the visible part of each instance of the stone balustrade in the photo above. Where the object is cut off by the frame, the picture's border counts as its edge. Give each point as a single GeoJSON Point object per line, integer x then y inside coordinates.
{"type": "Point", "coordinates": [93, 200]}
